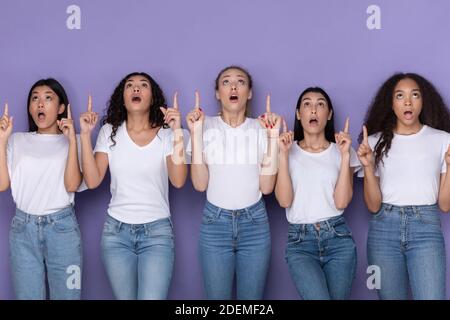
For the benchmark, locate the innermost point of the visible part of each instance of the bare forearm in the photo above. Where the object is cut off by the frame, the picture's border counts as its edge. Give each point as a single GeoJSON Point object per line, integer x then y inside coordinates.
{"type": "Point", "coordinates": [444, 192]}
{"type": "Point", "coordinates": [372, 192]}
{"type": "Point", "coordinates": [4, 174]}
{"type": "Point", "coordinates": [199, 170]}
{"type": "Point", "coordinates": [88, 163]}
{"type": "Point", "coordinates": [176, 164]}
{"type": "Point", "coordinates": [283, 186]}
{"type": "Point", "coordinates": [269, 166]}
{"type": "Point", "coordinates": [72, 173]}
{"type": "Point", "coordinates": [343, 191]}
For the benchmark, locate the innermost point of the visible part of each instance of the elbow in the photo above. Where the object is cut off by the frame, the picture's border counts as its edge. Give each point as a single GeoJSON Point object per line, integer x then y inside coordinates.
{"type": "Point", "coordinates": [341, 205]}
{"type": "Point", "coordinates": [373, 208]}
{"type": "Point", "coordinates": [178, 184]}
{"type": "Point", "coordinates": [266, 190]}
{"type": "Point", "coordinates": [285, 204]}
{"type": "Point", "coordinates": [200, 188]}
{"type": "Point", "coordinates": [444, 207]}
{"type": "Point", "coordinates": [4, 187]}
{"type": "Point", "coordinates": [91, 184]}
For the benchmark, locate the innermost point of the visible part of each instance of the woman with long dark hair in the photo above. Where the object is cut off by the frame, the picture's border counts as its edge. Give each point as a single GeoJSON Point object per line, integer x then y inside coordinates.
{"type": "Point", "coordinates": [42, 168]}
{"type": "Point", "coordinates": [315, 185]}
{"type": "Point", "coordinates": [405, 152]}
{"type": "Point", "coordinates": [141, 141]}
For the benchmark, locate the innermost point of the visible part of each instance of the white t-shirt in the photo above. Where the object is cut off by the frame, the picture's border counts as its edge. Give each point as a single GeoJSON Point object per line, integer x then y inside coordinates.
{"type": "Point", "coordinates": [36, 165]}
{"type": "Point", "coordinates": [234, 157]}
{"type": "Point", "coordinates": [314, 177]}
{"type": "Point", "coordinates": [410, 174]}
{"type": "Point", "coordinates": [139, 175]}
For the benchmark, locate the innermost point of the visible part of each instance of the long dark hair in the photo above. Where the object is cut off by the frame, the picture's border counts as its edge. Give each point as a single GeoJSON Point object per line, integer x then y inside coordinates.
{"type": "Point", "coordinates": [243, 70]}
{"type": "Point", "coordinates": [380, 117]}
{"type": "Point", "coordinates": [58, 89]}
{"type": "Point", "coordinates": [116, 112]}
{"type": "Point", "coordinates": [329, 128]}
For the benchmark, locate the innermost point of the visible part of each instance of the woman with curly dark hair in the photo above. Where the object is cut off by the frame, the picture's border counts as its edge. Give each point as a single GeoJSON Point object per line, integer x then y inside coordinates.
{"type": "Point", "coordinates": [405, 153]}
{"type": "Point", "coordinates": [142, 154]}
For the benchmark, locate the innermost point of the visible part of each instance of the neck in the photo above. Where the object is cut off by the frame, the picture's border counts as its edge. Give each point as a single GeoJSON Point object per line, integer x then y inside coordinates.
{"type": "Point", "coordinates": [50, 130]}
{"type": "Point", "coordinates": [233, 119]}
{"type": "Point", "coordinates": [315, 141]}
{"type": "Point", "coordinates": [138, 122]}
{"type": "Point", "coordinates": [403, 129]}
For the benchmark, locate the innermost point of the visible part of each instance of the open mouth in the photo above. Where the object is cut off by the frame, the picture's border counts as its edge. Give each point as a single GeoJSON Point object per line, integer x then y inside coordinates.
{"type": "Point", "coordinates": [234, 98]}
{"type": "Point", "coordinates": [41, 116]}
{"type": "Point", "coordinates": [408, 115]}
{"type": "Point", "coordinates": [136, 99]}
{"type": "Point", "coordinates": [313, 121]}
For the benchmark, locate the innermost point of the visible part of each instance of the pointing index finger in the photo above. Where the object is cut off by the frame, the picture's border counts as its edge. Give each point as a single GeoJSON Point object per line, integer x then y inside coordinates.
{"type": "Point", "coordinates": [197, 100]}
{"type": "Point", "coordinates": [365, 135]}
{"type": "Point", "coordinates": [268, 103]}
{"type": "Point", "coordinates": [69, 112]}
{"type": "Point", "coordinates": [347, 124]}
{"type": "Point", "coordinates": [6, 113]}
{"type": "Point", "coordinates": [175, 100]}
{"type": "Point", "coordinates": [285, 128]}
{"type": "Point", "coordinates": [90, 103]}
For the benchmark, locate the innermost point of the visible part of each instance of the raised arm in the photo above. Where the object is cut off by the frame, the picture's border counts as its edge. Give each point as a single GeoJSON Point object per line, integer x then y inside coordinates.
{"type": "Point", "coordinates": [94, 167]}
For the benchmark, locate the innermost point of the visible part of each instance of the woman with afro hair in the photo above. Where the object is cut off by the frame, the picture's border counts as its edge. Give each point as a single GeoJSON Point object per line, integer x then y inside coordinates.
{"type": "Point", "coordinates": [141, 141]}
{"type": "Point", "coordinates": [405, 153]}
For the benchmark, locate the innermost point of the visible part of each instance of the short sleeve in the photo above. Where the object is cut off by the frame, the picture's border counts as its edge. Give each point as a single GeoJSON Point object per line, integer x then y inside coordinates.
{"type": "Point", "coordinates": [103, 137]}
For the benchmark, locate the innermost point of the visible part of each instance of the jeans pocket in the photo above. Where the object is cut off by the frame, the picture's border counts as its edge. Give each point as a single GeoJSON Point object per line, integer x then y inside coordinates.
{"type": "Point", "coordinates": [341, 230]}
{"type": "Point", "coordinates": [18, 225]}
{"type": "Point", "coordinates": [110, 227]}
{"type": "Point", "coordinates": [379, 215]}
{"type": "Point", "coordinates": [259, 216]}
{"type": "Point", "coordinates": [430, 217]}
{"type": "Point", "coordinates": [66, 224]}
{"type": "Point", "coordinates": [209, 217]}
{"type": "Point", "coordinates": [294, 237]}
{"type": "Point", "coordinates": [163, 229]}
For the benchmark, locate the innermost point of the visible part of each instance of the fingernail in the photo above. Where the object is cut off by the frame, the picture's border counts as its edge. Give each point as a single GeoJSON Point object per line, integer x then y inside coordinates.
{"type": "Point", "coordinates": [262, 116]}
{"type": "Point", "coordinates": [200, 109]}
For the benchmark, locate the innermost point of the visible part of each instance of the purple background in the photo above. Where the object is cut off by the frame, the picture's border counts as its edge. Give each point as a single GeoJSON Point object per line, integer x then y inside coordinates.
{"type": "Point", "coordinates": [286, 45]}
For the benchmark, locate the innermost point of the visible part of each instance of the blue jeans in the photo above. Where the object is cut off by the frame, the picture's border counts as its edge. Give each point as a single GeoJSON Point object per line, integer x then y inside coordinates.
{"type": "Point", "coordinates": [322, 259]}
{"type": "Point", "coordinates": [49, 243]}
{"type": "Point", "coordinates": [407, 244]}
{"type": "Point", "coordinates": [235, 241]}
{"type": "Point", "coordinates": [138, 258]}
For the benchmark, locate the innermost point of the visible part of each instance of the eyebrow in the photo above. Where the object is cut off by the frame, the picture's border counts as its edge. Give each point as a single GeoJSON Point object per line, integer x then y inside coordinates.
{"type": "Point", "coordinates": [142, 80]}
{"type": "Point", "coordinates": [239, 75]}
{"type": "Point", "coordinates": [399, 90]}
{"type": "Point", "coordinates": [46, 92]}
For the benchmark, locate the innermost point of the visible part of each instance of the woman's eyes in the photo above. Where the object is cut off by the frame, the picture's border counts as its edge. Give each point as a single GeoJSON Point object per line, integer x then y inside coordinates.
{"type": "Point", "coordinates": [128, 85]}
{"type": "Point", "coordinates": [225, 82]}
{"type": "Point", "coordinates": [416, 95]}
{"type": "Point", "coordinates": [399, 96]}
{"type": "Point", "coordinates": [241, 82]}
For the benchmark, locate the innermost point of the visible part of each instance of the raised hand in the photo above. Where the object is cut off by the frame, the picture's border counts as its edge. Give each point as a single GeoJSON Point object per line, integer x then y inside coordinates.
{"type": "Point", "coordinates": [286, 138]}
{"type": "Point", "coordinates": [66, 124]}
{"type": "Point", "coordinates": [172, 116]}
{"type": "Point", "coordinates": [88, 119]}
{"type": "Point", "coordinates": [196, 117]}
{"type": "Point", "coordinates": [269, 120]}
{"type": "Point", "coordinates": [365, 153]}
{"type": "Point", "coordinates": [343, 138]}
{"type": "Point", "coordinates": [6, 125]}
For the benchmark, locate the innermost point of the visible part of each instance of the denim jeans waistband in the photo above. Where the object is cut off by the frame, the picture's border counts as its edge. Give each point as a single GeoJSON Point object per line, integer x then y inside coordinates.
{"type": "Point", "coordinates": [47, 218]}
{"type": "Point", "coordinates": [211, 207]}
{"type": "Point", "coordinates": [325, 224]}
{"type": "Point", "coordinates": [411, 208]}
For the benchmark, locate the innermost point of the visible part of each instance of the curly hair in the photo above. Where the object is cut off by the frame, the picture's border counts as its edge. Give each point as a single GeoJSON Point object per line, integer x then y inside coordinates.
{"type": "Point", "coordinates": [329, 128]}
{"type": "Point", "coordinates": [116, 112]}
{"type": "Point", "coordinates": [380, 117]}
{"type": "Point", "coordinates": [58, 89]}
